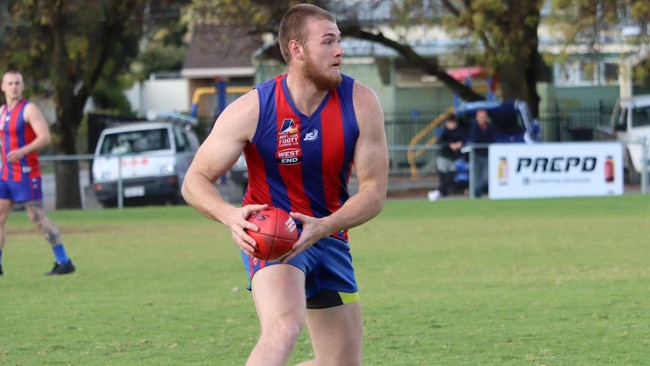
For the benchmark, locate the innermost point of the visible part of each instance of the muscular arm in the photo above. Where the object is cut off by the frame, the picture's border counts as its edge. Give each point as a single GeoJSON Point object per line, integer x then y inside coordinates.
{"type": "Point", "coordinates": [234, 127]}
{"type": "Point", "coordinates": [35, 118]}
{"type": "Point", "coordinates": [370, 164]}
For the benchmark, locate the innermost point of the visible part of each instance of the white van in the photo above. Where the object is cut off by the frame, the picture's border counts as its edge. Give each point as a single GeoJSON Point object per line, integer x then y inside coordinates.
{"type": "Point", "coordinates": [143, 163]}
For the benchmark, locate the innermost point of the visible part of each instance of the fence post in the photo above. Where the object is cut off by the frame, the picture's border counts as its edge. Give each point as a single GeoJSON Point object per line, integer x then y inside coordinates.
{"type": "Point", "coordinates": [472, 172]}
{"type": "Point", "coordinates": [120, 198]}
{"type": "Point", "coordinates": [556, 117]}
{"type": "Point", "coordinates": [644, 166]}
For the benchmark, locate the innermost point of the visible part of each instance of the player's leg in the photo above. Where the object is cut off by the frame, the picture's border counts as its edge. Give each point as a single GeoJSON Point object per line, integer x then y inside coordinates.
{"type": "Point", "coordinates": [279, 296]}
{"type": "Point", "coordinates": [441, 168]}
{"type": "Point", "coordinates": [481, 176]}
{"type": "Point", "coordinates": [37, 214]}
{"type": "Point", "coordinates": [5, 209]}
{"type": "Point", "coordinates": [336, 335]}
{"type": "Point", "coordinates": [334, 314]}
{"type": "Point", "coordinates": [52, 234]}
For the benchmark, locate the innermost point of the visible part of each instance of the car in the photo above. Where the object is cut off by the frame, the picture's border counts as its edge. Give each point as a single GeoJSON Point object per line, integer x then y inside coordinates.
{"type": "Point", "coordinates": [238, 174]}
{"type": "Point", "coordinates": [630, 124]}
{"type": "Point", "coordinates": [144, 162]}
{"type": "Point", "coordinates": [512, 120]}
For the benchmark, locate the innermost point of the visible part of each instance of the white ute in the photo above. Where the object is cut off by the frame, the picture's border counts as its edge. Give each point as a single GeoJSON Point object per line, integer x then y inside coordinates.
{"type": "Point", "coordinates": [630, 124]}
{"type": "Point", "coordinates": [144, 162]}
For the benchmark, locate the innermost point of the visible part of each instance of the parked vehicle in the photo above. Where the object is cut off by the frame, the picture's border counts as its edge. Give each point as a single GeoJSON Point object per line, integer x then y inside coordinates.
{"type": "Point", "coordinates": [144, 162]}
{"type": "Point", "coordinates": [239, 172]}
{"type": "Point", "coordinates": [513, 123]}
{"type": "Point", "coordinates": [512, 119]}
{"type": "Point", "coordinates": [630, 124]}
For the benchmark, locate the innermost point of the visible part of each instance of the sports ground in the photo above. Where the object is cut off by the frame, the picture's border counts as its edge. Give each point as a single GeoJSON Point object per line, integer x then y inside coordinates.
{"type": "Point", "coordinates": [458, 282]}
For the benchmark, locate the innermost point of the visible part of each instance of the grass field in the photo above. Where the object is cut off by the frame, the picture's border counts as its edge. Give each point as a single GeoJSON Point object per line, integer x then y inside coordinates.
{"type": "Point", "coordinates": [516, 282]}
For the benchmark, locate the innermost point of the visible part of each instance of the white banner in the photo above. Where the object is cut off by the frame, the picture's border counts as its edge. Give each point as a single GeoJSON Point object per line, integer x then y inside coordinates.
{"type": "Point", "coordinates": [555, 170]}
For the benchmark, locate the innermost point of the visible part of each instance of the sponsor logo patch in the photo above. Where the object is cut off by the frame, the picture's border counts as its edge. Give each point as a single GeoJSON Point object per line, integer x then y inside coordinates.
{"type": "Point", "coordinates": [289, 151]}
{"type": "Point", "coordinates": [311, 135]}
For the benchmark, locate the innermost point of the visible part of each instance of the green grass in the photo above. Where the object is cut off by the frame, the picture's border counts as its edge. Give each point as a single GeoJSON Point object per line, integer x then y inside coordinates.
{"type": "Point", "coordinates": [460, 282]}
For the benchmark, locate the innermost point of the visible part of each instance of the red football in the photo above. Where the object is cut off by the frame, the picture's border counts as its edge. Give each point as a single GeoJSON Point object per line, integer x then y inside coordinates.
{"type": "Point", "coordinates": [277, 233]}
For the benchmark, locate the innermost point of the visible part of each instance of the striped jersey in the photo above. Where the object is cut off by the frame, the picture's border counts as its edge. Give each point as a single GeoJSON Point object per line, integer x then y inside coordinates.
{"type": "Point", "coordinates": [302, 163]}
{"type": "Point", "coordinates": [15, 133]}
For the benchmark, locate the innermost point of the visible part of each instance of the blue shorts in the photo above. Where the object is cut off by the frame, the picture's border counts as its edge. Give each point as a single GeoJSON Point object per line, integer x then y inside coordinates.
{"type": "Point", "coordinates": [24, 191]}
{"type": "Point", "coordinates": [329, 276]}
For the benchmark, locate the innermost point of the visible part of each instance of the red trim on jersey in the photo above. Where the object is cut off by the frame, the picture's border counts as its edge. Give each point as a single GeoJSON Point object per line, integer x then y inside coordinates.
{"type": "Point", "coordinates": [298, 200]}
{"type": "Point", "coordinates": [13, 140]}
{"type": "Point", "coordinates": [10, 132]}
{"type": "Point", "coordinates": [3, 115]}
{"type": "Point", "coordinates": [332, 135]}
{"type": "Point", "coordinates": [255, 163]}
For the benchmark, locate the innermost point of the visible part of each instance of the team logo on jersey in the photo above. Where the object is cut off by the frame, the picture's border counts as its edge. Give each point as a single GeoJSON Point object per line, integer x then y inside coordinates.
{"type": "Point", "coordinates": [289, 127]}
{"type": "Point", "coordinates": [311, 135]}
{"type": "Point", "coordinates": [289, 151]}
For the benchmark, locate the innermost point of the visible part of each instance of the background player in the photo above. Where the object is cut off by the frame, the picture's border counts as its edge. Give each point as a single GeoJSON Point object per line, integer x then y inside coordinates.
{"type": "Point", "coordinates": [23, 132]}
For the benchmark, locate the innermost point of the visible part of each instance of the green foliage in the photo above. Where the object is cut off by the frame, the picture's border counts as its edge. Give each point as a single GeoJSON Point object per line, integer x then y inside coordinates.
{"type": "Point", "coordinates": [109, 97]}
{"type": "Point", "coordinates": [642, 72]}
{"type": "Point", "coordinates": [158, 57]}
{"type": "Point", "coordinates": [78, 49]}
{"type": "Point", "coordinates": [499, 31]}
{"type": "Point", "coordinates": [592, 22]}
{"type": "Point", "coordinates": [500, 36]}
{"type": "Point", "coordinates": [164, 49]}
{"type": "Point", "coordinates": [263, 15]}
{"type": "Point", "coordinates": [586, 21]}
{"type": "Point", "coordinates": [459, 282]}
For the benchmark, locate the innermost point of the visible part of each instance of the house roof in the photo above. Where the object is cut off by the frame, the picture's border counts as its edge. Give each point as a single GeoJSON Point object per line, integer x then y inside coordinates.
{"type": "Point", "coordinates": [218, 50]}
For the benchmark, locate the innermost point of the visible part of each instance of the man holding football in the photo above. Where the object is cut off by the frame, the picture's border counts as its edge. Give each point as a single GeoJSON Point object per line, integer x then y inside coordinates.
{"type": "Point", "coordinates": [301, 133]}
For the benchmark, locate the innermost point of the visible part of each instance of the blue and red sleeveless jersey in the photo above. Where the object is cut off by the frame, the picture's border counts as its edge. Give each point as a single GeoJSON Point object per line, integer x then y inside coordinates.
{"type": "Point", "coordinates": [302, 163]}
{"type": "Point", "coordinates": [14, 134]}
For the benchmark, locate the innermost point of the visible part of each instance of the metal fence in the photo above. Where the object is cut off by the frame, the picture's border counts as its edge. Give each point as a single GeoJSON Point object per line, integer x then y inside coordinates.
{"type": "Point", "coordinates": [560, 123]}
{"type": "Point", "coordinates": [565, 122]}
{"type": "Point", "coordinates": [418, 176]}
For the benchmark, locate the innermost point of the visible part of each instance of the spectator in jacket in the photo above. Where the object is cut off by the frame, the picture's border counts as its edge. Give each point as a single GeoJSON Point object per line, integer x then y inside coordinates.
{"type": "Point", "coordinates": [482, 134]}
{"type": "Point", "coordinates": [450, 142]}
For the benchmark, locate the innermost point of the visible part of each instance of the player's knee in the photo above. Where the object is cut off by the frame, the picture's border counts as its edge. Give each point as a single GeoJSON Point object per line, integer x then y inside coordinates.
{"type": "Point", "coordinates": [285, 329]}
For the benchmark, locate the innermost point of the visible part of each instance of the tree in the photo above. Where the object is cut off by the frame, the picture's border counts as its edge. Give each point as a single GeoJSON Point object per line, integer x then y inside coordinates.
{"type": "Point", "coordinates": [264, 17]}
{"type": "Point", "coordinates": [67, 48]}
{"type": "Point", "coordinates": [592, 23]}
{"type": "Point", "coordinates": [499, 35]}
{"type": "Point", "coordinates": [506, 32]}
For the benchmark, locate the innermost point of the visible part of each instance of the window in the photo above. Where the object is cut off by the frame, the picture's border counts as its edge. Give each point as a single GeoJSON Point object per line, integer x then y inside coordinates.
{"type": "Point", "coordinates": [182, 142]}
{"type": "Point", "coordinates": [641, 117]}
{"type": "Point", "coordinates": [133, 142]}
{"type": "Point", "coordinates": [588, 72]}
{"type": "Point", "coordinates": [585, 73]}
{"type": "Point", "coordinates": [611, 73]}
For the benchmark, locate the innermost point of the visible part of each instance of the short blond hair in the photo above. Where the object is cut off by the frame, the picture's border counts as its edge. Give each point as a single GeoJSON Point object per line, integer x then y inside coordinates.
{"type": "Point", "coordinates": [294, 25]}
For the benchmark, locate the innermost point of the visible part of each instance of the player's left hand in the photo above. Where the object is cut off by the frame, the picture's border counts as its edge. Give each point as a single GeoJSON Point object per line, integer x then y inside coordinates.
{"type": "Point", "coordinates": [313, 229]}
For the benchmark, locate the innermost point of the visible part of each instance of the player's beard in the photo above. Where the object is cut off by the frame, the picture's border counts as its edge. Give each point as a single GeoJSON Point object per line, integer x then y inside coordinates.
{"type": "Point", "coordinates": [322, 80]}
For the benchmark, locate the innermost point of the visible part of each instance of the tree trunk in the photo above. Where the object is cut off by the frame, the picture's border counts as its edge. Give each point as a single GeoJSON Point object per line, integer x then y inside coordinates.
{"type": "Point", "coordinates": [68, 194]}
